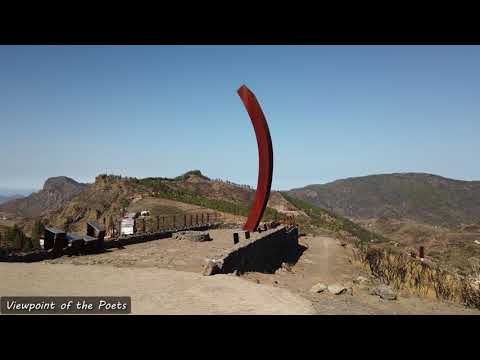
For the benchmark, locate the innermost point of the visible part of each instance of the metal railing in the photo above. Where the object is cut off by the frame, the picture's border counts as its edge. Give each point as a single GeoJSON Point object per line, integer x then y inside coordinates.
{"type": "Point", "coordinates": [170, 221]}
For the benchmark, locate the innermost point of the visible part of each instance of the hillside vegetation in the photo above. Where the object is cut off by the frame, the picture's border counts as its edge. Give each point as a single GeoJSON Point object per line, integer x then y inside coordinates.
{"type": "Point", "coordinates": [326, 220]}
{"type": "Point", "coordinates": [111, 195]}
{"type": "Point", "coordinates": [210, 195]}
{"type": "Point", "coordinates": [423, 198]}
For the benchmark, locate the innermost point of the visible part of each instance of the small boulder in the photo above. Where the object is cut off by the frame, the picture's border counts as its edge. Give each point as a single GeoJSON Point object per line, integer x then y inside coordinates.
{"type": "Point", "coordinates": [337, 289]}
{"type": "Point", "coordinates": [385, 292]}
{"type": "Point", "coordinates": [196, 236]}
{"type": "Point", "coordinates": [284, 268]}
{"type": "Point", "coordinates": [306, 261]}
{"type": "Point", "coordinates": [212, 267]}
{"type": "Point", "coordinates": [318, 288]}
{"type": "Point", "coordinates": [360, 280]}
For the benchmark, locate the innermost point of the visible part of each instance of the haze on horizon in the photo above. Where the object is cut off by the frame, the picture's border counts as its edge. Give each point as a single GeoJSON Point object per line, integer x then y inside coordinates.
{"type": "Point", "coordinates": [333, 111]}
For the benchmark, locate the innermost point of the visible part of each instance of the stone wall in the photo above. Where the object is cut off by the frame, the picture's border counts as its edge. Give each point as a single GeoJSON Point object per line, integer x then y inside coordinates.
{"type": "Point", "coordinates": [264, 252]}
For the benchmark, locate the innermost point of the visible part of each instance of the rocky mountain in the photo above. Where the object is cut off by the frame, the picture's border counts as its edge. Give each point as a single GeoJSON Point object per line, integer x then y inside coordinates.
{"type": "Point", "coordinates": [409, 209]}
{"type": "Point", "coordinates": [423, 198]}
{"type": "Point", "coordinates": [56, 192]}
{"type": "Point", "coordinates": [110, 194]}
{"type": "Point", "coordinates": [68, 205]}
{"type": "Point", "coordinates": [106, 199]}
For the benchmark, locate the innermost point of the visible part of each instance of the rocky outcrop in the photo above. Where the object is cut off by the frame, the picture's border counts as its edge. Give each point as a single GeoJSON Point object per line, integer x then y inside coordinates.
{"type": "Point", "coordinates": [385, 292]}
{"type": "Point", "coordinates": [337, 289]}
{"type": "Point", "coordinates": [56, 192]}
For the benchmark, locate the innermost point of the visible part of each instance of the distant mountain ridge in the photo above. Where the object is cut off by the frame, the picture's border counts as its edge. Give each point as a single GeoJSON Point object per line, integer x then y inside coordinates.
{"type": "Point", "coordinates": [420, 197]}
{"type": "Point", "coordinates": [56, 192]}
{"type": "Point", "coordinates": [5, 198]}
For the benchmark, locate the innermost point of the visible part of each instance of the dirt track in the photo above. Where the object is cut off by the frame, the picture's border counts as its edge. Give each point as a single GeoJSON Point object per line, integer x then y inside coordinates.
{"type": "Point", "coordinates": [326, 261]}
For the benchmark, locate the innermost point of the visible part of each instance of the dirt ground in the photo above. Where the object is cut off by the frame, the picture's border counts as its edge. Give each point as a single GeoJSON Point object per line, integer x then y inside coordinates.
{"type": "Point", "coordinates": [169, 253]}
{"type": "Point", "coordinates": [166, 207]}
{"type": "Point", "coordinates": [326, 261]}
{"type": "Point", "coordinates": [164, 276]}
{"type": "Point", "coordinates": [153, 290]}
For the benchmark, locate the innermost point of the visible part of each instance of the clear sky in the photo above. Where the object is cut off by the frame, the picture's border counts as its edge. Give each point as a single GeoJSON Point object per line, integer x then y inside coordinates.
{"type": "Point", "coordinates": [333, 111]}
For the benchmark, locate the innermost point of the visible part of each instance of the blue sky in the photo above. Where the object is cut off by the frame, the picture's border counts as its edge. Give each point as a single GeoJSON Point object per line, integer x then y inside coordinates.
{"type": "Point", "coordinates": [333, 111]}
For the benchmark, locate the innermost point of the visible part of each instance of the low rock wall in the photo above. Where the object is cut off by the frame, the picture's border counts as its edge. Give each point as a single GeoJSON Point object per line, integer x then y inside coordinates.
{"type": "Point", "coordinates": [264, 252]}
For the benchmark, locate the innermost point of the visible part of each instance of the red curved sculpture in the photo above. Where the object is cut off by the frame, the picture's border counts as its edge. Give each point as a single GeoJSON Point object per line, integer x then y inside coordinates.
{"type": "Point", "coordinates": [265, 158]}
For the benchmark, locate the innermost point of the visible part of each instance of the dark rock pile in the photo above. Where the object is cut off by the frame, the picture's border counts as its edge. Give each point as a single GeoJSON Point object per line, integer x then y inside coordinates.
{"type": "Point", "coordinates": [197, 236]}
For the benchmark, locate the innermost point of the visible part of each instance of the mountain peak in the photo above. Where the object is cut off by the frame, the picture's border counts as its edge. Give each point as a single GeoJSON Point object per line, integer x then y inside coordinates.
{"type": "Point", "coordinates": [60, 182]}
{"type": "Point", "coordinates": [56, 192]}
{"type": "Point", "coordinates": [192, 174]}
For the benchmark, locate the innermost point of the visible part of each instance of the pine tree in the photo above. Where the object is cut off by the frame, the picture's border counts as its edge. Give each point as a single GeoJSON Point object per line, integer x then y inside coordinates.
{"type": "Point", "coordinates": [10, 236]}
{"type": "Point", "coordinates": [27, 244]}
{"type": "Point", "coordinates": [37, 232]}
{"type": "Point", "coordinates": [18, 238]}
